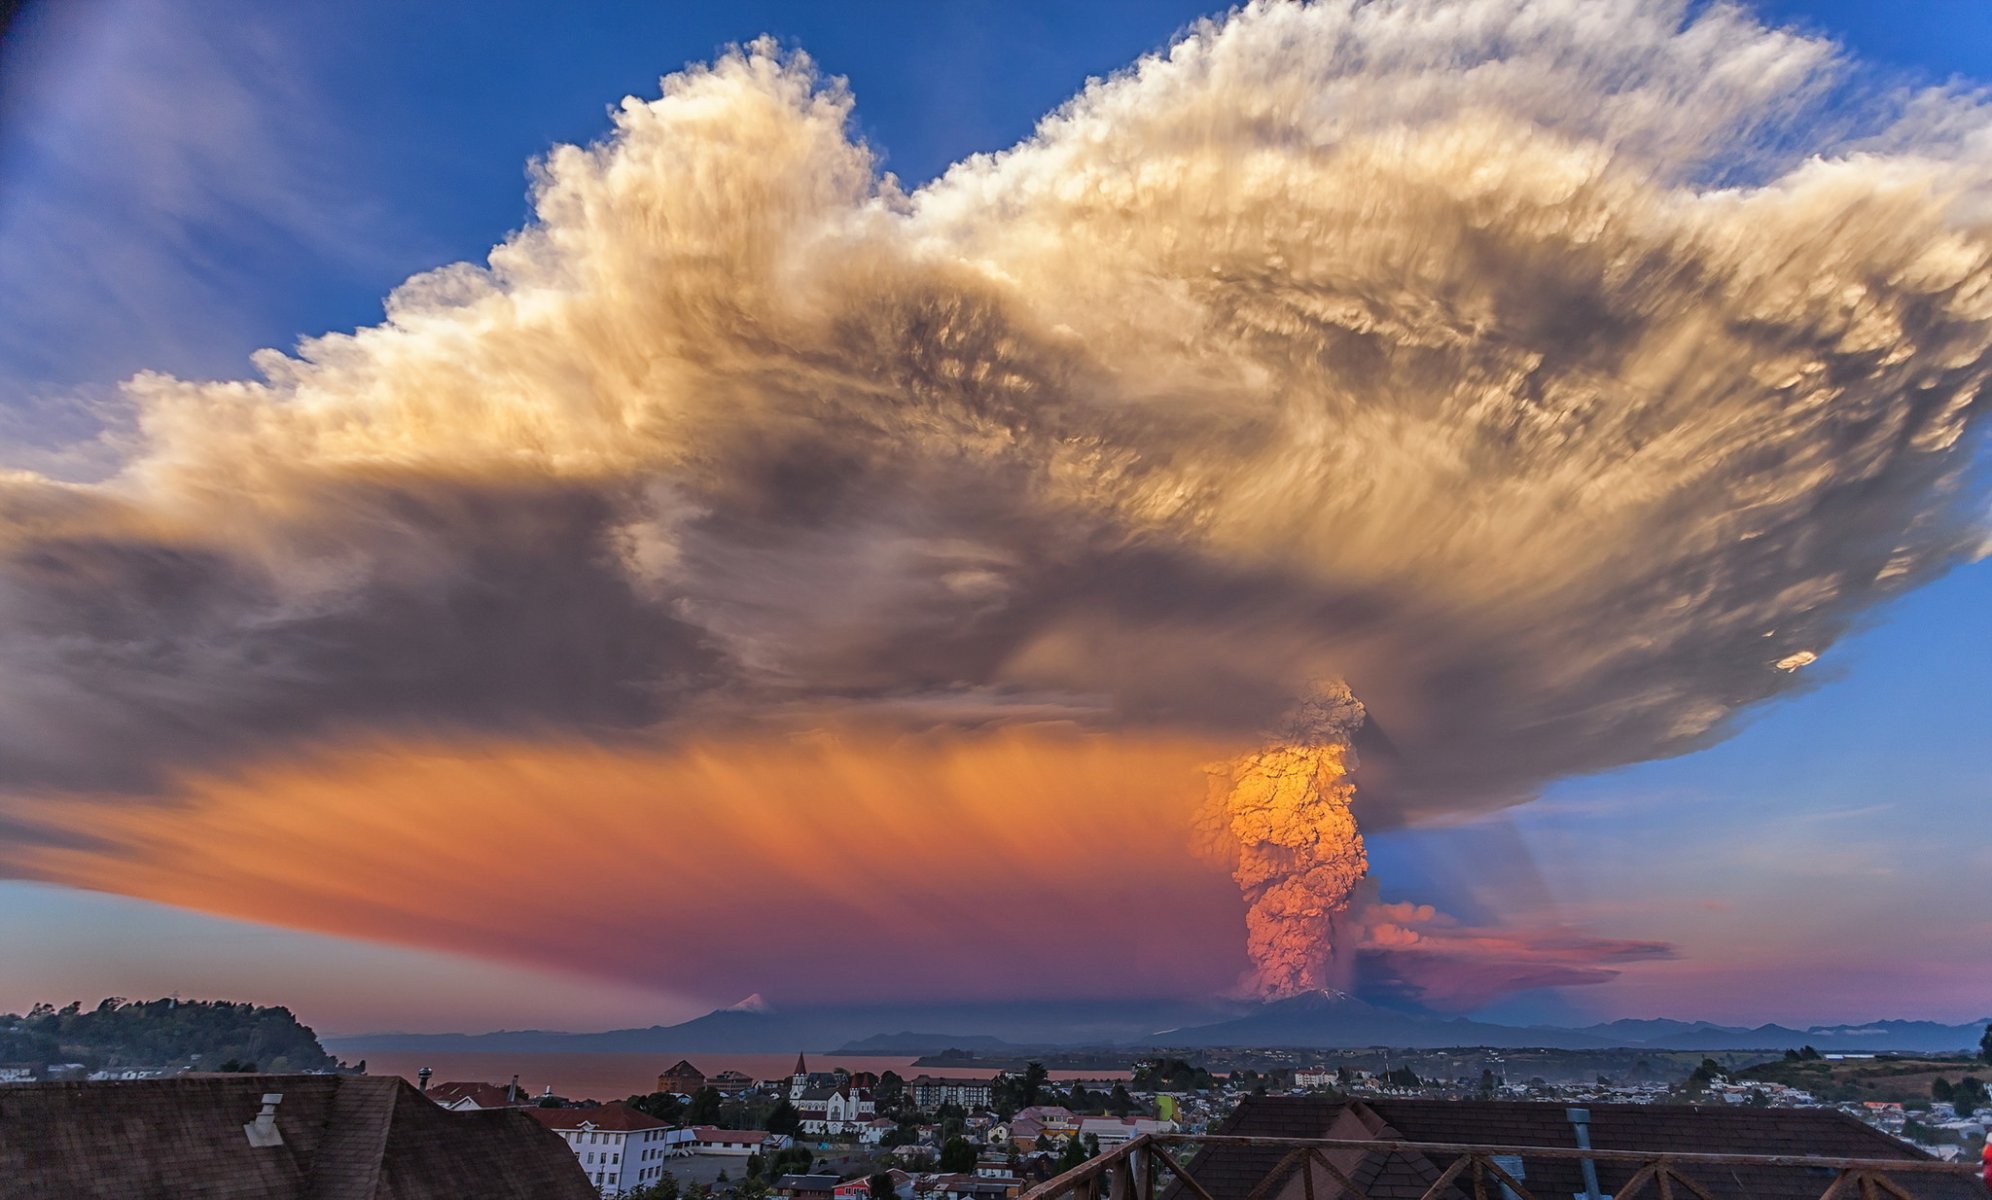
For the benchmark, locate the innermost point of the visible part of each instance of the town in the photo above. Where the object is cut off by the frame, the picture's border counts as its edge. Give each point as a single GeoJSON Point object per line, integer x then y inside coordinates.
{"type": "Point", "coordinates": [843, 1135]}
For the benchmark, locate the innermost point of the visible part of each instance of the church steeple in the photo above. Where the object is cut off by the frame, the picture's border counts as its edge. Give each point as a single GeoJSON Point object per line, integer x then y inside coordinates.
{"type": "Point", "coordinates": [801, 1067]}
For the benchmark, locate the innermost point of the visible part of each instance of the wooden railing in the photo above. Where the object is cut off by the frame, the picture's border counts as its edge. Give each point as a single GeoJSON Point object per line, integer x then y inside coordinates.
{"type": "Point", "coordinates": [1135, 1171]}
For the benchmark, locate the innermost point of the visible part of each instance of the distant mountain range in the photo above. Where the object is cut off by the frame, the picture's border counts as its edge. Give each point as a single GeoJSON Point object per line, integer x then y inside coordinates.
{"type": "Point", "coordinates": [1318, 1021]}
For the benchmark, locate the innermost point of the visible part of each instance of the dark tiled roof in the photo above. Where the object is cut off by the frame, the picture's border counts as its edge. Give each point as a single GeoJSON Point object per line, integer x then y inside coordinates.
{"type": "Point", "coordinates": [615, 1116]}
{"type": "Point", "coordinates": [344, 1138]}
{"type": "Point", "coordinates": [484, 1095]}
{"type": "Point", "coordinates": [807, 1183]}
{"type": "Point", "coordinates": [1231, 1173]}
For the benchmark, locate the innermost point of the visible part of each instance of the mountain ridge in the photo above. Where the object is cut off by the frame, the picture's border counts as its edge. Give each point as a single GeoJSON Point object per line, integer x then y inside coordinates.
{"type": "Point", "coordinates": [1313, 1021]}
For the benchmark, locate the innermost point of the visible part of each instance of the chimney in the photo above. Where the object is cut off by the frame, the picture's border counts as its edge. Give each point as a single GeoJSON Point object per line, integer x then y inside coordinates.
{"type": "Point", "coordinates": [512, 1092]}
{"type": "Point", "coordinates": [1580, 1120]}
{"type": "Point", "coordinates": [423, 1075]}
{"type": "Point", "coordinates": [262, 1131]}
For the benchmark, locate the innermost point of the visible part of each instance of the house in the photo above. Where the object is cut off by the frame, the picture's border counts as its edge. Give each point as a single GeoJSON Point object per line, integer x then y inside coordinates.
{"type": "Point", "coordinates": [1235, 1172]}
{"type": "Point", "coordinates": [873, 1132]}
{"type": "Point", "coordinates": [271, 1137]}
{"type": "Point", "coordinates": [929, 1092]}
{"type": "Point", "coordinates": [1054, 1119]}
{"type": "Point", "coordinates": [970, 1187]}
{"type": "Point", "coordinates": [707, 1139]}
{"type": "Point", "coordinates": [467, 1096]}
{"type": "Point", "coordinates": [619, 1147]}
{"type": "Point", "coordinates": [807, 1187]}
{"type": "Point", "coordinates": [730, 1083]}
{"type": "Point", "coordinates": [683, 1078]}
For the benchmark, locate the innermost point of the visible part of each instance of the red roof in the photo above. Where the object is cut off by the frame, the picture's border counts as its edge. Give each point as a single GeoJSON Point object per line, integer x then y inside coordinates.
{"type": "Point", "coordinates": [616, 1117]}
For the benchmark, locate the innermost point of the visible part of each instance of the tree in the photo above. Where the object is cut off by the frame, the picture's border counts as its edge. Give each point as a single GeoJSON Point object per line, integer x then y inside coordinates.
{"type": "Point", "coordinates": [1985, 1045]}
{"type": "Point", "coordinates": [662, 1105]}
{"type": "Point", "coordinates": [1704, 1075]}
{"type": "Point", "coordinates": [880, 1186]}
{"type": "Point", "coordinates": [754, 1165]}
{"type": "Point", "coordinates": [1119, 1102]}
{"type": "Point", "coordinates": [783, 1119]}
{"type": "Point", "coordinates": [1073, 1154]}
{"type": "Point", "coordinates": [704, 1108]}
{"type": "Point", "coordinates": [890, 1092]}
{"type": "Point", "coordinates": [957, 1156]}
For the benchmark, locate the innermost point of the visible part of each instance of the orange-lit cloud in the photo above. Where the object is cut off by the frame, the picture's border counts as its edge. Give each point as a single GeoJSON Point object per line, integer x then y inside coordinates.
{"type": "Point", "coordinates": [1019, 861]}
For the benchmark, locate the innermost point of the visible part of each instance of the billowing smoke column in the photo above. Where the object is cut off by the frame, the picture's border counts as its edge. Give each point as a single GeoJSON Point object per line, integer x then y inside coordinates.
{"type": "Point", "coordinates": [1286, 812]}
{"type": "Point", "coordinates": [1565, 375]}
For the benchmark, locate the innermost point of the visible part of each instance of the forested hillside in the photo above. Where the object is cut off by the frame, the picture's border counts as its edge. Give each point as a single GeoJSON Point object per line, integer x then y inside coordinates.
{"type": "Point", "coordinates": [203, 1035]}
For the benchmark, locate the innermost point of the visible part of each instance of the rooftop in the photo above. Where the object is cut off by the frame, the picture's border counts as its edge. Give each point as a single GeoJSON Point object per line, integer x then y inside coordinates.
{"type": "Point", "coordinates": [334, 1137]}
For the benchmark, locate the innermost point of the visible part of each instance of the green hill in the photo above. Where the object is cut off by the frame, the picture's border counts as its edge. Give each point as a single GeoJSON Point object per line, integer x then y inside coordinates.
{"type": "Point", "coordinates": [200, 1035]}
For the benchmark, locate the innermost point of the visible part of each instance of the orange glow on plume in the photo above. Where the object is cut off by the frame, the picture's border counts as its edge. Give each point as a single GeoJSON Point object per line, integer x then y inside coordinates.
{"type": "Point", "coordinates": [1284, 813]}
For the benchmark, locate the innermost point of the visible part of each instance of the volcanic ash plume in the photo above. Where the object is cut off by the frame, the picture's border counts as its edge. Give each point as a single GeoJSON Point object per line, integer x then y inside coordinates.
{"type": "Point", "coordinates": [1285, 812]}
{"type": "Point", "coordinates": [1569, 376]}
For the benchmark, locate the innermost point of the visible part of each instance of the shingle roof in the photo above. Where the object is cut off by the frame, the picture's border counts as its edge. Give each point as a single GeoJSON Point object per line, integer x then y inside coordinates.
{"type": "Point", "coordinates": [808, 1183]}
{"type": "Point", "coordinates": [712, 1133]}
{"type": "Point", "coordinates": [484, 1095]}
{"type": "Point", "coordinates": [343, 1138]}
{"type": "Point", "coordinates": [1230, 1172]}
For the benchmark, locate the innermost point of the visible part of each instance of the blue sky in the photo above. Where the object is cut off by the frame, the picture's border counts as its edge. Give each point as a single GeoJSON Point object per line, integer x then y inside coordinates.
{"type": "Point", "coordinates": [183, 184]}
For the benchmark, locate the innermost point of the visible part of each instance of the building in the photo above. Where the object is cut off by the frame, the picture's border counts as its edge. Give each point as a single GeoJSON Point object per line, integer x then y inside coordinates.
{"type": "Point", "coordinates": [1114, 1131]}
{"type": "Point", "coordinates": [683, 1079]}
{"type": "Point", "coordinates": [1051, 1118]}
{"type": "Point", "coordinates": [470, 1096]}
{"type": "Point", "coordinates": [807, 1187]}
{"type": "Point", "coordinates": [875, 1130]}
{"type": "Point", "coordinates": [271, 1137]}
{"type": "Point", "coordinates": [619, 1147]}
{"type": "Point", "coordinates": [836, 1110]}
{"type": "Point", "coordinates": [929, 1092]}
{"type": "Point", "coordinates": [708, 1139]}
{"type": "Point", "coordinates": [1236, 1172]}
{"type": "Point", "coordinates": [730, 1083]}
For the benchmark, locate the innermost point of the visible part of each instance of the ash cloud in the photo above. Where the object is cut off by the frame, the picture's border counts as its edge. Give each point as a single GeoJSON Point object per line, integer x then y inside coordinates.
{"type": "Point", "coordinates": [1554, 374]}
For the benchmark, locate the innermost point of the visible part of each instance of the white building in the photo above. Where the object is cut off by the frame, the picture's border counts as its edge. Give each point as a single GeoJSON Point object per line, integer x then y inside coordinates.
{"type": "Point", "coordinates": [835, 1110]}
{"type": "Point", "coordinates": [620, 1148]}
{"type": "Point", "coordinates": [1116, 1131]}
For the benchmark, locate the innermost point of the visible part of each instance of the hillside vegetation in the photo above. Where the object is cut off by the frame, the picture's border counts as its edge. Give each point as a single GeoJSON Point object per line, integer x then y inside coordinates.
{"type": "Point", "coordinates": [203, 1035]}
{"type": "Point", "coordinates": [1905, 1079]}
